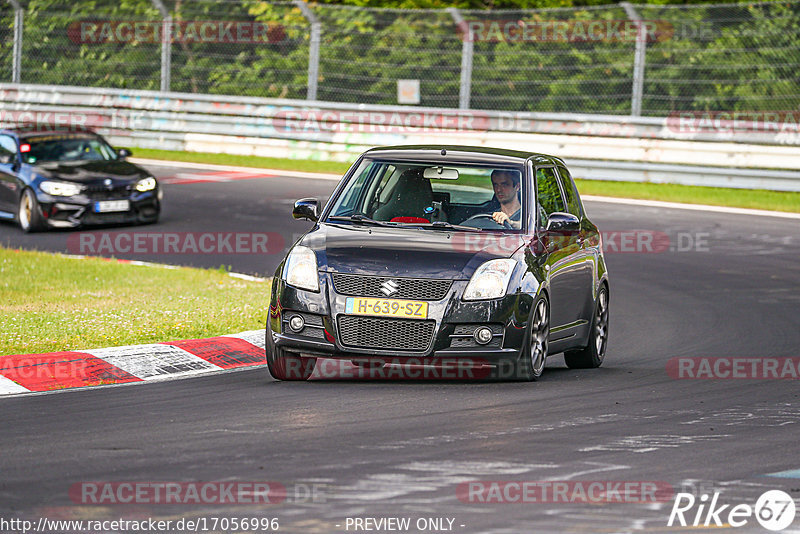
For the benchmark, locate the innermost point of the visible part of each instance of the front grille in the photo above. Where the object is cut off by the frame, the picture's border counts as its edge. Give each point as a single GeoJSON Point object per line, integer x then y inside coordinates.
{"type": "Point", "coordinates": [100, 192]}
{"type": "Point", "coordinates": [407, 288]}
{"type": "Point", "coordinates": [388, 334]}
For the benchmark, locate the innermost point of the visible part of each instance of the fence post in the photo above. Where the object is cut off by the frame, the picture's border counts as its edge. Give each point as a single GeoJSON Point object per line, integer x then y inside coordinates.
{"type": "Point", "coordinates": [166, 45]}
{"type": "Point", "coordinates": [467, 49]}
{"type": "Point", "coordinates": [638, 59]}
{"type": "Point", "coordinates": [313, 48]}
{"type": "Point", "coordinates": [16, 65]}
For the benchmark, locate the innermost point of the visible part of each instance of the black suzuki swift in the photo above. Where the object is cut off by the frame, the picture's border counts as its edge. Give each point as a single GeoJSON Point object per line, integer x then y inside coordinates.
{"type": "Point", "coordinates": [427, 254]}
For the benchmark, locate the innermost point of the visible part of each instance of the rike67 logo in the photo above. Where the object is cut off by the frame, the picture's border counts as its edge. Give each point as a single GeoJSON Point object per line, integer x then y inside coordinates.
{"type": "Point", "coordinates": [774, 510]}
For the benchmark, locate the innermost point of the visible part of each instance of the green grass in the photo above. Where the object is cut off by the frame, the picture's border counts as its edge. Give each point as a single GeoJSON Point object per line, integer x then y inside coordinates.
{"type": "Point", "coordinates": [53, 303]}
{"type": "Point", "coordinates": [716, 196]}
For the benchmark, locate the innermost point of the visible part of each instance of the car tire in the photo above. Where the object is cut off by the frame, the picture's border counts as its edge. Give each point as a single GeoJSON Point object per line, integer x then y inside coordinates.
{"type": "Point", "coordinates": [29, 215]}
{"type": "Point", "coordinates": [530, 365]}
{"type": "Point", "coordinates": [285, 365]}
{"type": "Point", "coordinates": [593, 354]}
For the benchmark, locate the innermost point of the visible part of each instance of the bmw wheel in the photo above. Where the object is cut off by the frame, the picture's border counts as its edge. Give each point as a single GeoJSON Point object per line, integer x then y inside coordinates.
{"type": "Point", "coordinates": [29, 215]}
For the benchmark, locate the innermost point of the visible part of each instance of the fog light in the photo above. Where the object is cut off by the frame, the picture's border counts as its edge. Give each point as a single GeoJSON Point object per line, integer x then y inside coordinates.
{"type": "Point", "coordinates": [482, 335]}
{"type": "Point", "coordinates": [296, 323]}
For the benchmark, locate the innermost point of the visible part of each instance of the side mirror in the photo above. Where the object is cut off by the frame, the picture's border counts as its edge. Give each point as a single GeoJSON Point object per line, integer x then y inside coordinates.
{"type": "Point", "coordinates": [7, 158]}
{"type": "Point", "coordinates": [560, 221]}
{"type": "Point", "coordinates": [306, 208]}
{"type": "Point", "coordinates": [123, 153]}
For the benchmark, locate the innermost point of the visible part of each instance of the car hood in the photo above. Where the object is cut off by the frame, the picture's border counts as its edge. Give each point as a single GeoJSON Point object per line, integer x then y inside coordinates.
{"type": "Point", "coordinates": [87, 172]}
{"type": "Point", "coordinates": [406, 252]}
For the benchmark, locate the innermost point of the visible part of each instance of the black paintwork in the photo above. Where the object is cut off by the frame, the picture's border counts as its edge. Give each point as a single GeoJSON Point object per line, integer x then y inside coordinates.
{"type": "Point", "coordinates": [74, 211]}
{"type": "Point", "coordinates": [566, 265]}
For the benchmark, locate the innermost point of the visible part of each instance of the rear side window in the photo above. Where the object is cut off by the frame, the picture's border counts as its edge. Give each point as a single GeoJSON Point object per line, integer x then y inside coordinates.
{"type": "Point", "coordinates": [570, 192]}
{"type": "Point", "coordinates": [548, 194]}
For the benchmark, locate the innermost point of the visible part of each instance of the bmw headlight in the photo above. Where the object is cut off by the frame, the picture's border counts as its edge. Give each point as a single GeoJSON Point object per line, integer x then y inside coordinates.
{"type": "Point", "coordinates": [60, 189]}
{"type": "Point", "coordinates": [301, 269]}
{"type": "Point", "coordinates": [490, 280]}
{"type": "Point", "coordinates": [146, 184]}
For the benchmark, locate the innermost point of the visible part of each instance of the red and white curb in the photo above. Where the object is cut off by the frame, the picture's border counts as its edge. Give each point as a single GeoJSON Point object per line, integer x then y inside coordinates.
{"type": "Point", "coordinates": [26, 373]}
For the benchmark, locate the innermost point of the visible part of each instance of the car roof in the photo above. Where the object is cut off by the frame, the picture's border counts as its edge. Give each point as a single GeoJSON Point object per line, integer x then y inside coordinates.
{"type": "Point", "coordinates": [33, 130]}
{"type": "Point", "coordinates": [467, 154]}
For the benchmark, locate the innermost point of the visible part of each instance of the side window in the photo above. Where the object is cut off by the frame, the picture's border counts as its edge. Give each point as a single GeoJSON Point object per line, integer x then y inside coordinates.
{"type": "Point", "coordinates": [570, 192]}
{"type": "Point", "coordinates": [548, 194]}
{"type": "Point", "coordinates": [8, 148]}
{"type": "Point", "coordinates": [348, 203]}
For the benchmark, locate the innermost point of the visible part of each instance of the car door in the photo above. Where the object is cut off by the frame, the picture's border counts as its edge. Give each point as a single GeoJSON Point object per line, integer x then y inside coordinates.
{"type": "Point", "coordinates": [9, 184]}
{"type": "Point", "coordinates": [565, 262]}
{"type": "Point", "coordinates": [585, 255]}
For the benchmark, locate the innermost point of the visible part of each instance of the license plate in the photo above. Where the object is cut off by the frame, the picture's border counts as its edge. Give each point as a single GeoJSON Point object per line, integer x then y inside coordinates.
{"type": "Point", "coordinates": [104, 206]}
{"type": "Point", "coordinates": [408, 309]}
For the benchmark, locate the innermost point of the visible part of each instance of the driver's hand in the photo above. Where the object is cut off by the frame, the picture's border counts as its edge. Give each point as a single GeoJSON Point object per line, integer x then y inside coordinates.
{"type": "Point", "coordinates": [500, 217]}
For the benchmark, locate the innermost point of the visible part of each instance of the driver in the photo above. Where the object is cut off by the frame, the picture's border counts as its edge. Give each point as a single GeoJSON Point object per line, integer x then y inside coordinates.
{"type": "Point", "coordinates": [506, 189]}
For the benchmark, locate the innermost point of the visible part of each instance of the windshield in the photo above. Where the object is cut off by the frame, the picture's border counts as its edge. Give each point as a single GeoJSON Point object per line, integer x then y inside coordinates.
{"type": "Point", "coordinates": [433, 195]}
{"type": "Point", "coordinates": [71, 147]}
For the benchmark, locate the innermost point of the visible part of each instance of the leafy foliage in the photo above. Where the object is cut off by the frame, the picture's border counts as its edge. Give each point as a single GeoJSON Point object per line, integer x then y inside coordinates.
{"type": "Point", "coordinates": [704, 57]}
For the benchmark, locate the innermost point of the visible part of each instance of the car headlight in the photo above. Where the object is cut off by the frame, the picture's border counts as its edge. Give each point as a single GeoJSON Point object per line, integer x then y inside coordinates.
{"type": "Point", "coordinates": [61, 189]}
{"type": "Point", "coordinates": [490, 280]}
{"type": "Point", "coordinates": [146, 184]}
{"type": "Point", "coordinates": [301, 269]}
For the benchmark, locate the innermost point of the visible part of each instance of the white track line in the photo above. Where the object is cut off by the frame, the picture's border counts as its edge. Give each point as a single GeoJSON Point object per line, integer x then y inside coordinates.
{"type": "Point", "coordinates": [693, 207]}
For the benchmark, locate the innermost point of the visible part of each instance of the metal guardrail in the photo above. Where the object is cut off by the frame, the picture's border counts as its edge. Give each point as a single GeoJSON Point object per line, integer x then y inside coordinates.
{"type": "Point", "coordinates": [605, 147]}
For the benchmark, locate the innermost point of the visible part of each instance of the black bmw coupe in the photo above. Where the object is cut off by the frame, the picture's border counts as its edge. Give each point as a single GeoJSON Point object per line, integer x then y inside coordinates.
{"type": "Point", "coordinates": [427, 254]}
{"type": "Point", "coordinates": [52, 178]}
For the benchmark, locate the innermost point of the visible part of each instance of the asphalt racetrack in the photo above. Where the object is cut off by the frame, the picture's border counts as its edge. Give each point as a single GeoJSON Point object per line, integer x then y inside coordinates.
{"type": "Point", "coordinates": [716, 286]}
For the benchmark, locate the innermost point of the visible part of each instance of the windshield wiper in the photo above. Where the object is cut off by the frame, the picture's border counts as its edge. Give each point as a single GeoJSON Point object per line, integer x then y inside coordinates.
{"type": "Point", "coordinates": [361, 218]}
{"type": "Point", "coordinates": [442, 225]}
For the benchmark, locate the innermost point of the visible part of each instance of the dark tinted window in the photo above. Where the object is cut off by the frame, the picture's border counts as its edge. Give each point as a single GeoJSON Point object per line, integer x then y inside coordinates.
{"type": "Point", "coordinates": [548, 194]}
{"type": "Point", "coordinates": [570, 192]}
{"type": "Point", "coordinates": [67, 147]}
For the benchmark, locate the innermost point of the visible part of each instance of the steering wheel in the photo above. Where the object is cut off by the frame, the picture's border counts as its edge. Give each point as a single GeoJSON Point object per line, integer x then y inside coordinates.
{"type": "Point", "coordinates": [481, 217]}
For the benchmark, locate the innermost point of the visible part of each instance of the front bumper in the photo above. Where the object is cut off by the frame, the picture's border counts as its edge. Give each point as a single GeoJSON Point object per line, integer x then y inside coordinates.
{"type": "Point", "coordinates": [79, 210]}
{"type": "Point", "coordinates": [452, 323]}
